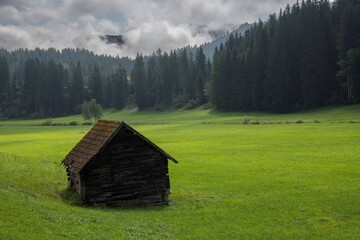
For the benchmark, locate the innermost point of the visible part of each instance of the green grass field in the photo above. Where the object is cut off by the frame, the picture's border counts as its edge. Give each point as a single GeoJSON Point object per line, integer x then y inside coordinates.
{"type": "Point", "coordinates": [274, 179]}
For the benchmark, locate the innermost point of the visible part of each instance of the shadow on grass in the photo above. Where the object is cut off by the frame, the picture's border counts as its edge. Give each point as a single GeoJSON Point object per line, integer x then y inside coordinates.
{"type": "Point", "coordinates": [70, 197]}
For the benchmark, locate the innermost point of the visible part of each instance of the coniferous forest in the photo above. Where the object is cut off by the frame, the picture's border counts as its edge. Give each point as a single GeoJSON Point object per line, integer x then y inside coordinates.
{"type": "Point", "coordinates": [305, 56]}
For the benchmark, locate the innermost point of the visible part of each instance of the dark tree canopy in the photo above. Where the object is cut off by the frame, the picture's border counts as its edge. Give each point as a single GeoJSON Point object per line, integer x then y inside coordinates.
{"type": "Point", "coordinates": [306, 56]}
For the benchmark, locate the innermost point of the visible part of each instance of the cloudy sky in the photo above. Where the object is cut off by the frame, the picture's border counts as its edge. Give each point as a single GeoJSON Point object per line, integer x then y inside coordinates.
{"type": "Point", "coordinates": [145, 24]}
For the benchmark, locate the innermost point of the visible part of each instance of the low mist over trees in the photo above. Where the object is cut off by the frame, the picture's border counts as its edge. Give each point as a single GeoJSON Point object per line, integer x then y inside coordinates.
{"type": "Point", "coordinates": [306, 56]}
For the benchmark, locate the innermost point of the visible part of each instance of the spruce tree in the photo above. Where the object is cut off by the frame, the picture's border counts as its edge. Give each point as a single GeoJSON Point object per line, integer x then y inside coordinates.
{"type": "Point", "coordinates": [184, 76]}
{"type": "Point", "coordinates": [76, 87]}
{"type": "Point", "coordinates": [119, 88]}
{"type": "Point", "coordinates": [138, 79]}
{"type": "Point", "coordinates": [32, 86]}
{"type": "Point", "coordinates": [150, 79]}
{"type": "Point", "coordinates": [348, 45]}
{"type": "Point", "coordinates": [95, 84]}
{"type": "Point", "coordinates": [4, 81]}
{"type": "Point", "coordinates": [201, 74]}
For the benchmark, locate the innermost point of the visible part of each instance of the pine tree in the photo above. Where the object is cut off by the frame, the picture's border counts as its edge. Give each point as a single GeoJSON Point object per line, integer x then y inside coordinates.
{"type": "Point", "coordinates": [216, 89]}
{"type": "Point", "coordinates": [348, 45]}
{"type": "Point", "coordinates": [77, 87]}
{"type": "Point", "coordinates": [184, 77]}
{"type": "Point", "coordinates": [4, 81]}
{"type": "Point", "coordinates": [119, 88]}
{"type": "Point", "coordinates": [31, 86]}
{"type": "Point", "coordinates": [166, 81]}
{"type": "Point", "coordinates": [259, 58]}
{"type": "Point", "coordinates": [174, 69]}
{"type": "Point", "coordinates": [350, 70]}
{"type": "Point", "coordinates": [108, 92]}
{"type": "Point", "coordinates": [95, 84]}
{"type": "Point", "coordinates": [200, 79]}
{"type": "Point", "coordinates": [138, 78]}
{"type": "Point", "coordinates": [12, 106]}
{"type": "Point", "coordinates": [151, 73]}
{"type": "Point", "coordinates": [53, 92]}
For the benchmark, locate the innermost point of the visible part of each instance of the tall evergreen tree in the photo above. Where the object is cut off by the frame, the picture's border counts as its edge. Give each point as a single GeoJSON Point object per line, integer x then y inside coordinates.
{"type": "Point", "coordinates": [95, 84]}
{"type": "Point", "coordinates": [258, 66]}
{"type": "Point", "coordinates": [350, 70]}
{"type": "Point", "coordinates": [4, 81]}
{"type": "Point", "coordinates": [138, 78]}
{"type": "Point", "coordinates": [201, 74]}
{"type": "Point", "coordinates": [151, 73]}
{"type": "Point", "coordinates": [76, 87]}
{"type": "Point", "coordinates": [184, 76]}
{"type": "Point", "coordinates": [119, 88]}
{"type": "Point", "coordinates": [13, 107]}
{"type": "Point", "coordinates": [347, 13]}
{"type": "Point", "coordinates": [31, 85]}
{"type": "Point", "coordinates": [54, 96]}
{"type": "Point", "coordinates": [175, 78]}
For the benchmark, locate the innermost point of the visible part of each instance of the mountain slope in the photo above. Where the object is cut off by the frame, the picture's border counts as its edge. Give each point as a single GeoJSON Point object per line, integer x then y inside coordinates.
{"type": "Point", "coordinates": [209, 48]}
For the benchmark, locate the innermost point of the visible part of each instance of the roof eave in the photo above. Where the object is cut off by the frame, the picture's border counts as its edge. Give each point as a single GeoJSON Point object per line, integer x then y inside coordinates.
{"type": "Point", "coordinates": [148, 141]}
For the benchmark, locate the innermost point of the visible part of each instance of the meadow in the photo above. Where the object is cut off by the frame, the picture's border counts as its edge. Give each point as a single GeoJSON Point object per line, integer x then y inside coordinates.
{"type": "Point", "coordinates": [240, 176]}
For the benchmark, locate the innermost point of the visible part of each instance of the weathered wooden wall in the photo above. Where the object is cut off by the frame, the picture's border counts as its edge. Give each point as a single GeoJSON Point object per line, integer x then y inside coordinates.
{"type": "Point", "coordinates": [127, 171]}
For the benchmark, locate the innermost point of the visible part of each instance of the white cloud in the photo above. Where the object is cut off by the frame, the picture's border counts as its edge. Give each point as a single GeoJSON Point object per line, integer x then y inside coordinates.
{"type": "Point", "coordinates": [12, 37]}
{"type": "Point", "coordinates": [9, 13]}
{"type": "Point", "coordinates": [149, 37]}
{"type": "Point", "coordinates": [146, 24]}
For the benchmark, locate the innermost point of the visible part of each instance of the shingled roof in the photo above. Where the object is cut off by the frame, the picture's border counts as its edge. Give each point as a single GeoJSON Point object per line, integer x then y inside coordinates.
{"type": "Point", "coordinates": [97, 139]}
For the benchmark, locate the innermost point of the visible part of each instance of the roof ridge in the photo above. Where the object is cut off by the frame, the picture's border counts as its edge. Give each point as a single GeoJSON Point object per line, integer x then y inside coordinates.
{"type": "Point", "coordinates": [105, 120]}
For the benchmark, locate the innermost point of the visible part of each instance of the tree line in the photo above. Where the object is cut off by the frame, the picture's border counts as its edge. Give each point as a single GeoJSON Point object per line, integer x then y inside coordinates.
{"type": "Point", "coordinates": [48, 89]}
{"type": "Point", "coordinates": [67, 56]}
{"type": "Point", "coordinates": [168, 81]}
{"type": "Point", "coordinates": [48, 82]}
{"type": "Point", "coordinates": [306, 56]}
{"type": "Point", "coordinates": [42, 87]}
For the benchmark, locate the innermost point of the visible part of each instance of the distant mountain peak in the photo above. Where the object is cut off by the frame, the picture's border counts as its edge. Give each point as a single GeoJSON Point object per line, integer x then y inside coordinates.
{"type": "Point", "coordinates": [221, 37]}
{"type": "Point", "coordinates": [113, 39]}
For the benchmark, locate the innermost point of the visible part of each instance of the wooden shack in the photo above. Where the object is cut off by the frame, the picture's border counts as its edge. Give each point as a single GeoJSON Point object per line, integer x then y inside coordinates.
{"type": "Point", "coordinates": [116, 165]}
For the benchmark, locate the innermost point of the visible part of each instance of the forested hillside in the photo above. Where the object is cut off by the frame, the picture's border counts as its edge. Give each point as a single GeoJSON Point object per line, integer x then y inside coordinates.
{"type": "Point", "coordinates": [67, 57]}
{"type": "Point", "coordinates": [41, 83]}
{"type": "Point", "coordinates": [209, 48]}
{"type": "Point", "coordinates": [306, 56]}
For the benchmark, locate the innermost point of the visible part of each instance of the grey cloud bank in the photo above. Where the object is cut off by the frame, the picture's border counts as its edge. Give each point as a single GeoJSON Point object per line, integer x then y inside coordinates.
{"type": "Point", "coordinates": [145, 25]}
